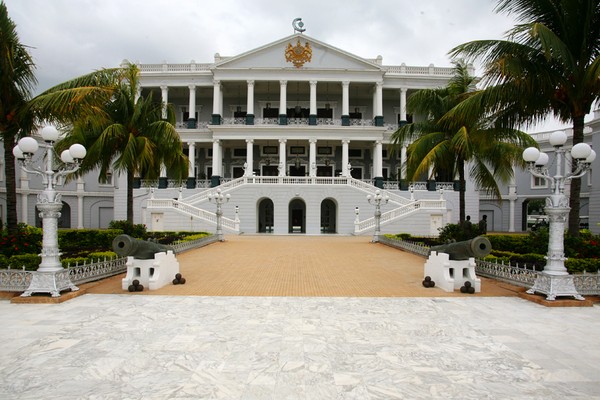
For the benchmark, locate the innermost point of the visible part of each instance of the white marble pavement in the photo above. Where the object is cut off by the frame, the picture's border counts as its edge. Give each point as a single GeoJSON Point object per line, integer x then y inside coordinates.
{"type": "Point", "coordinates": [162, 347]}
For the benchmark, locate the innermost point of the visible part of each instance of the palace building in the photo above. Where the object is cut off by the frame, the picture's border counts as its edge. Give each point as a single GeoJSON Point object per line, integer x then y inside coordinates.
{"type": "Point", "coordinates": [296, 137]}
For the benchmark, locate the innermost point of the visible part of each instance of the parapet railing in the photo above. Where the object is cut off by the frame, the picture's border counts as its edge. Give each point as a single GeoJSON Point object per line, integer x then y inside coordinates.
{"type": "Point", "coordinates": [18, 280]}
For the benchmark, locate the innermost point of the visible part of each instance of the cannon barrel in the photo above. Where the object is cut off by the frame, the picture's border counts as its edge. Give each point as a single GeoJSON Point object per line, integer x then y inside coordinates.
{"type": "Point", "coordinates": [478, 247]}
{"type": "Point", "coordinates": [125, 245]}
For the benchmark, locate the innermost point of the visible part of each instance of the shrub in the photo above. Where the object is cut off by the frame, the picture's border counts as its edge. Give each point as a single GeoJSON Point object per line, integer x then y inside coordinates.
{"type": "Point", "coordinates": [31, 262]}
{"type": "Point", "coordinates": [3, 261]}
{"type": "Point", "coordinates": [73, 261]}
{"type": "Point", "coordinates": [27, 239]}
{"type": "Point", "coordinates": [195, 236]}
{"type": "Point", "coordinates": [134, 230]}
{"type": "Point", "coordinates": [101, 255]}
{"type": "Point", "coordinates": [578, 265]}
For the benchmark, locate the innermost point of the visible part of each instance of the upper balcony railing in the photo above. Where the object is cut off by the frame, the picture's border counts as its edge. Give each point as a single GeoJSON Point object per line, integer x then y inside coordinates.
{"type": "Point", "coordinates": [290, 122]}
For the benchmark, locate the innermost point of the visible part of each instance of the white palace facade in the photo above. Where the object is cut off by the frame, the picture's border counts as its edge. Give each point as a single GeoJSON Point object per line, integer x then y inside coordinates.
{"type": "Point", "coordinates": [297, 133]}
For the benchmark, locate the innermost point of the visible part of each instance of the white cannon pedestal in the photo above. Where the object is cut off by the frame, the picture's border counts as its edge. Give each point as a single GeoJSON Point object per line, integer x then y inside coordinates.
{"type": "Point", "coordinates": [450, 275]}
{"type": "Point", "coordinates": [153, 274]}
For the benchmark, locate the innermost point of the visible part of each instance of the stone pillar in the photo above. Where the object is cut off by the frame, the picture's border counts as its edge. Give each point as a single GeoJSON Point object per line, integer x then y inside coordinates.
{"type": "Point", "coordinates": [250, 104]}
{"type": "Point", "coordinates": [249, 157]}
{"type": "Point", "coordinates": [345, 103]}
{"type": "Point", "coordinates": [378, 164]}
{"type": "Point", "coordinates": [345, 172]}
{"type": "Point", "coordinates": [80, 197]}
{"type": "Point", "coordinates": [379, 104]}
{"type": "Point", "coordinates": [215, 179]}
{"type": "Point", "coordinates": [312, 157]}
{"type": "Point", "coordinates": [402, 106]}
{"type": "Point", "coordinates": [191, 180]}
{"type": "Point", "coordinates": [164, 92]}
{"type": "Point", "coordinates": [282, 157]}
{"type": "Point", "coordinates": [282, 102]}
{"type": "Point", "coordinates": [24, 196]}
{"type": "Point", "coordinates": [403, 180]}
{"type": "Point", "coordinates": [216, 115]}
{"type": "Point", "coordinates": [312, 117]}
{"type": "Point", "coordinates": [192, 108]}
{"type": "Point", "coordinates": [512, 198]}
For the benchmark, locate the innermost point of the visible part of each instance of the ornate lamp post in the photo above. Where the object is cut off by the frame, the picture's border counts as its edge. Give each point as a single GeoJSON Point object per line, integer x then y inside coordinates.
{"type": "Point", "coordinates": [50, 277]}
{"type": "Point", "coordinates": [555, 280]}
{"type": "Point", "coordinates": [376, 200]}
{"type": "Point", "coordinates": [219, 199]}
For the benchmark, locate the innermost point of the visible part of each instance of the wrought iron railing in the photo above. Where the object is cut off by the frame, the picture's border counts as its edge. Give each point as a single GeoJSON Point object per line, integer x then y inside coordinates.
{"type": "Point", "coordinates": [587, 284]}
{"type": "Point", "coordinates": [18, 280]}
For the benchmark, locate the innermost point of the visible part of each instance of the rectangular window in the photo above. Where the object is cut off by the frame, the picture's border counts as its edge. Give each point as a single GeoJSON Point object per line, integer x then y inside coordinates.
{"type": "Point", "coordinates": [240, 152]}
{"type": "Point", "coordinates": [297, 150]}
{"type": "Point", "coordinates": [538, 183]}
{"type": "Point", "coordinates": [324, 150]}
{"type": "Point", "coordinates": [209, 153]}
{"type": "Point", "coordinates": [270, 150]}
{"type": "Point", "coordinates": [355, 153]}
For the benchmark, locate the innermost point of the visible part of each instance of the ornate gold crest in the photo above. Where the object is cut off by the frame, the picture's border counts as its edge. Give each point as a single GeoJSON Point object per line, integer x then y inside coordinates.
{"type": "Point", "coordinates": [298, 54]}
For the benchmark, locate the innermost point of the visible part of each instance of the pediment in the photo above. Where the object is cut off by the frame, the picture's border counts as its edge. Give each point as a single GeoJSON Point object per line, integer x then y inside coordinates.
{"type": "Point", "coordinates": [322, 57]}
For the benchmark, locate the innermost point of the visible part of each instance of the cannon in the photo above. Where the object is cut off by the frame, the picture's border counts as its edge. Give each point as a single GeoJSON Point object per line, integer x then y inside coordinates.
{"type": "Point", "coordinates": [125, 245]}
{"type": "Point", "coordinates": [478, 247]}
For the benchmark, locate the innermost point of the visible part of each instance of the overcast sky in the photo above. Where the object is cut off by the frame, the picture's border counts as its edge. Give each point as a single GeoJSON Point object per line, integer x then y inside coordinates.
{"type": "Point", "coordinates": [69, 38]}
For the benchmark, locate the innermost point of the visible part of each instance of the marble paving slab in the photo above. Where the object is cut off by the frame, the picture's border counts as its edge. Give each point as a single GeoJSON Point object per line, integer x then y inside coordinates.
{"type": "Point", "coordinates": [173, 347]}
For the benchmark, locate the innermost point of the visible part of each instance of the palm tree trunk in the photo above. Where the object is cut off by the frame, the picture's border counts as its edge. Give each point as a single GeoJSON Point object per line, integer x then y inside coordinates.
{"type": "Point", "coordinates": [130, 197]}
{"type": "Point", "coordinates": [461, 192]}
{"type": "Point", "coordinates": [11, 185]}
{"type": "Point", "coordinates": [575, 194]}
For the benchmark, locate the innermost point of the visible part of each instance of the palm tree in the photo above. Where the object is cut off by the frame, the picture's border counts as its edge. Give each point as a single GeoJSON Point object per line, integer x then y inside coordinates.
{"type": "Point", "coordinates": [130, 137]}
{"type": "Point", "coordinates": [549, 63]}
{"type": "Point", "coordinates": [20, 113]}
{"type": "Point", "coordinates": [448, 145]}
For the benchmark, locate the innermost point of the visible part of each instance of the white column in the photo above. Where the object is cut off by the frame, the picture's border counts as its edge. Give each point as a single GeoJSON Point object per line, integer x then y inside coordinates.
{"type": "Point", "coordinates": [216, 99]}
{"type": "Point", "coordinates": [249, 156]}
{"type": "Point", "coordinates": [192, 102]}
{"type": "Point", "coordinates": [250, 103]}
{"type": "Point", "coordinates": [403, 104]}
{"type": "Point", "coordinates": [345, 171]}
{"type": "Point", "coordinates": [379, 98]}
{"type": "Point", "coordinates": [345, 98]}
{"type": "Point", "coordinates": [80, 196]}
{"type": "Point", "coordinates": [312, 156]}
{"type": "Point", "coordinates": [512, 199]}
{"type": "Point", "coordinates": [24, 208]}
{"type": "Point", "coordinates": [164, 91]}
{"type": "Point", "coordinates": [192, 159]}
{"type": "Point", "coordinates": [282, 97]}
{"type": "Point", "coordinates": [378, 159]}
{"type": "Point", "coordinates": [313, 98]}
{"type": "Point", "coordinates": [216, 161]}
{"type": "Point", "coordinates": [403, 162]}
{"type": "Point", "coordinates": [138, 93]}
{"type": "Point", "coordinates": [282, 156]}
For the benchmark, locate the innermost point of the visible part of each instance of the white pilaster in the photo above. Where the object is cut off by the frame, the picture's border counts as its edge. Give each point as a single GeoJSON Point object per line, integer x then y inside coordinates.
{"type": "Point", "coordinates": [192, 102]}
{"type": "Point", "coordinates": [250, 103]}
{"type": "Point", "coordinates": [216, 161]}
{"type": "Point", "coordinates": [282, 156]}
{"type": "Point", "coordinates": [345, 171]}
{"type": "Point", "coordinates": [379, 99]}
{"type": "Point", "coordinates": [164, 92]}
{"type": "Point", "coordinates": [282, 97]}
{"type": "Point", "coordinates": [345, 98]}
{"type": "Point", "coordinates": [403, 104]}
{"type": "Point", "coordinates": [378, 159]}
{"type": "Point", "coordinates": [24, 208]}
{"type": "Point", "coordinates": [312, 156]}
{"type": "Point", "coordinates": [216, 100]}
{"type": "Point", "coordinates": [80, 197]}
{"type": "Point", "coordinates": [192, 159]}
{"type": "Point", "coordinates": [249, 156]}
{"type": "Point", "coordinates": [403, 162]}
{"type": "Point", "coordinates": [313, 98]}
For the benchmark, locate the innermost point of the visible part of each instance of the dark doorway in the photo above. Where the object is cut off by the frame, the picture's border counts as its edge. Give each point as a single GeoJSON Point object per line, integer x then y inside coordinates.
{"type": "Point", "coordinates": [270, 170]}
{"type": "Point", "coordinates": [297, 171]}
{"type": "Point", "coordinates": [297, 216]}
{"type": "Point", "coordinates": [328, 216]}
{"type": "Point", "coordinates": [265, 216]}
{"type": "Point", "coordinates": [324, 170]}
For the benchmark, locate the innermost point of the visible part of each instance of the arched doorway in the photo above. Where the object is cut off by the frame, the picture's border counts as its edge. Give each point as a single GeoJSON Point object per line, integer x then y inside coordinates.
{"type": "Point", "coordinates": [265, 216]}
{"type": "Point", "coordinates": [297, 216]}
{"type": "Point", "coordinates": [328, 216]}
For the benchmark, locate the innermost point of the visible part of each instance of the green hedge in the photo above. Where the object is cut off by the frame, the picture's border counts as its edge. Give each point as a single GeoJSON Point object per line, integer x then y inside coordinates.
{"type": "Point", "coordinates": [76, 240]}
{"type": "Point", "coordinates": [31, 262]}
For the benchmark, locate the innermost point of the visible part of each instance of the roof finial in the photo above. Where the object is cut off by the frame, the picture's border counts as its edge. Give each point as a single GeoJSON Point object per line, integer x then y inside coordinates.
{"type": "Point", "coordinates": [298, 25]}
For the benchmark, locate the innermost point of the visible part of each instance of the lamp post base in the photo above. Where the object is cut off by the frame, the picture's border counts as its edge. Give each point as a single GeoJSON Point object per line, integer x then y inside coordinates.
{"type": "Point", "coordinates": [555, 285]}
{"type": "Point", "coordinates": [50, 282]}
